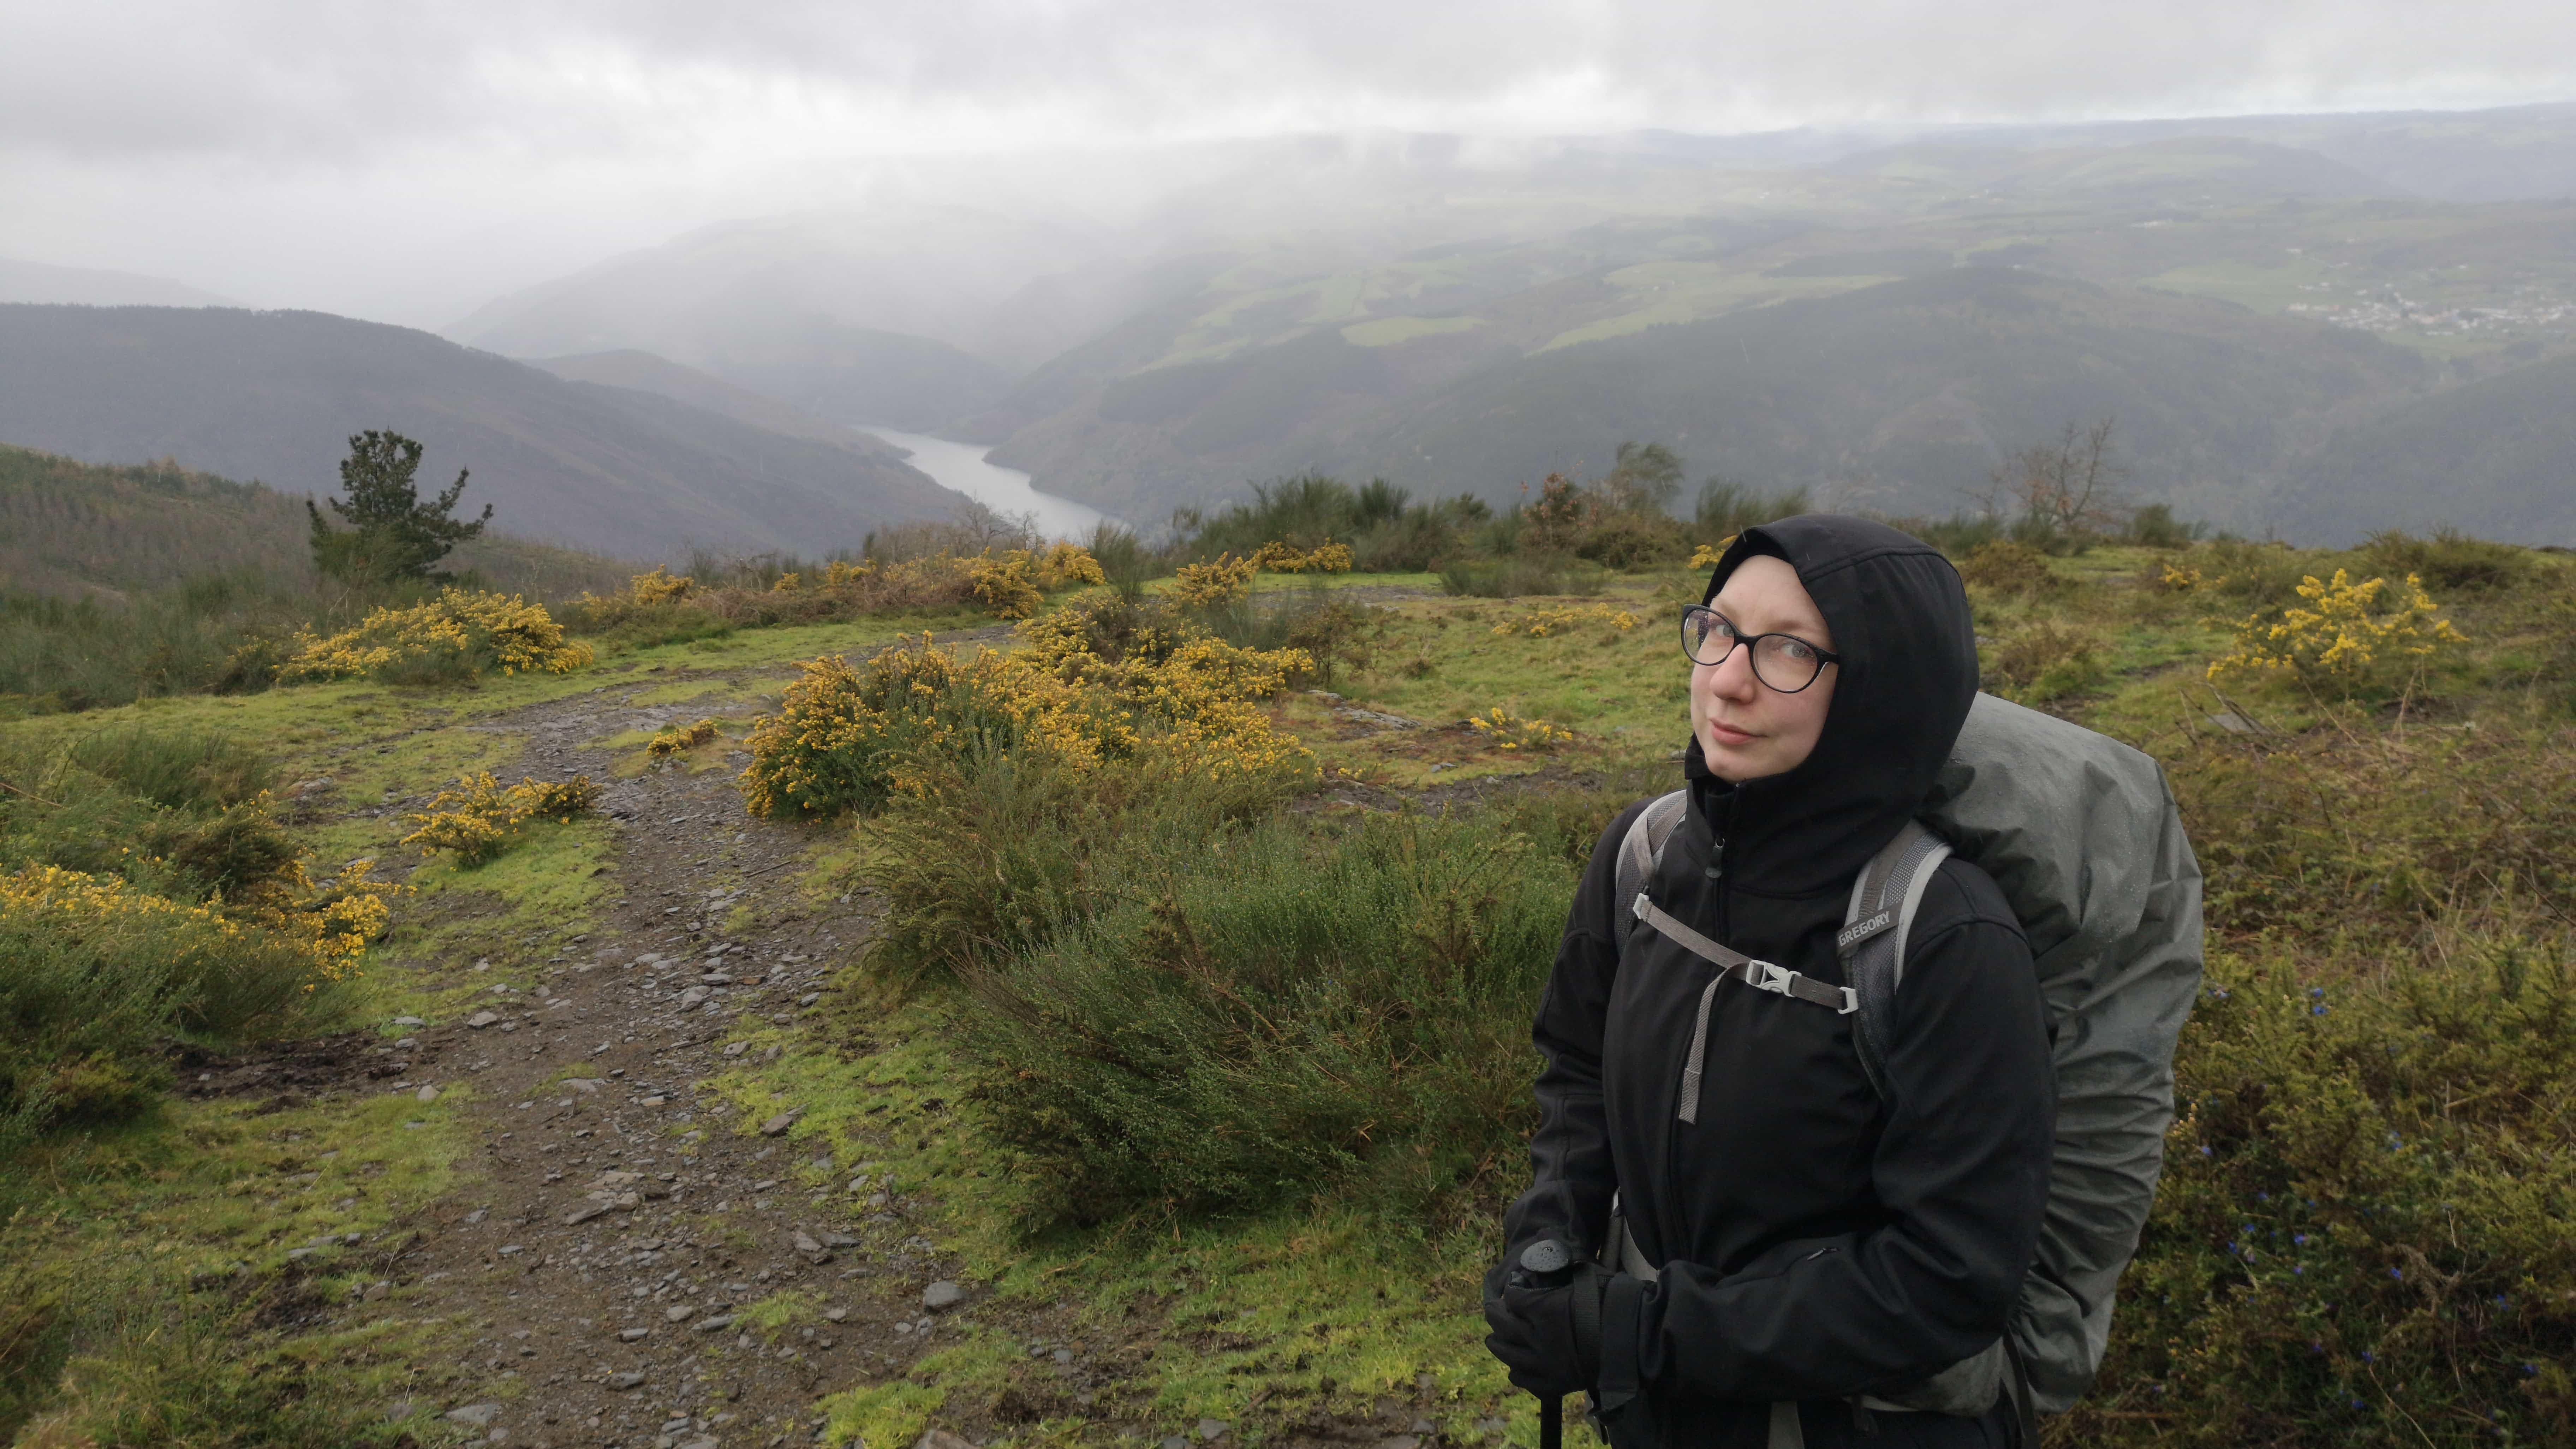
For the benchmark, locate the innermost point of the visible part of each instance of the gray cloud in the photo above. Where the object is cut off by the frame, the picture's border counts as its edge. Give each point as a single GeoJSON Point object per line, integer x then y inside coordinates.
{"type": "Point", "coordinates": [459, 145]}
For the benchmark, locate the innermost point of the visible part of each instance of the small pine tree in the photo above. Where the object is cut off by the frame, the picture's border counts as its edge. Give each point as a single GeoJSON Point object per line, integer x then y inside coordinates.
{"type": "Point", "coordinates": [392, 534]}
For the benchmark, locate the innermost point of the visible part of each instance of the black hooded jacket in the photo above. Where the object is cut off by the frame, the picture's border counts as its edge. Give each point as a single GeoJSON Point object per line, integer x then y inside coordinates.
{"type": "Point", "coordinates": [1814, 1243]}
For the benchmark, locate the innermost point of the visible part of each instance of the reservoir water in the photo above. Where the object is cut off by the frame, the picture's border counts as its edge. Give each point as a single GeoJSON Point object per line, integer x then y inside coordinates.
{"type": "Point", "coordinates": [1004, 490]}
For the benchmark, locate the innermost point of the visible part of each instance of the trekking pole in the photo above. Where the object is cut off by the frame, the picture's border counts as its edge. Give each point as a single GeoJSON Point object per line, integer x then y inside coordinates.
{"type": "Point", "coordinates": [1551, 1423]}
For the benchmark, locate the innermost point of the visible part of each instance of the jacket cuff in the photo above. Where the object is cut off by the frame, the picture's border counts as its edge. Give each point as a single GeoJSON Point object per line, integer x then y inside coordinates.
{"type": "Point", "coordinates": [1622, 1299]}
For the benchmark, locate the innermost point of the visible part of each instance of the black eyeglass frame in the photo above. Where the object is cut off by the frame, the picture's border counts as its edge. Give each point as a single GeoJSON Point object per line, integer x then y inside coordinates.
{"type": "Point", "coordinates": [1753, 644]}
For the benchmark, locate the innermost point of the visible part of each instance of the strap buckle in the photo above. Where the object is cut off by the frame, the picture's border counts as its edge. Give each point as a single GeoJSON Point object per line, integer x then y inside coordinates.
{"type": "Point", "coordinates": [1780, 981]}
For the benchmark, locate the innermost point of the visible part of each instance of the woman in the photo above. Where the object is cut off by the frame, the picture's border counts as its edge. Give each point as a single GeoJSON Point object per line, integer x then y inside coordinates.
{"type": "Point", "coordinates": [1811, 1246]}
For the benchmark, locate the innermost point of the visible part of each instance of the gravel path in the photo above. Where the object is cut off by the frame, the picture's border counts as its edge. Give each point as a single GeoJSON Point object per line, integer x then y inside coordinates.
{"type": "Point", "coordinates": [620, 1223]}
{"type": "Point", "coordinates": [596, 1268]}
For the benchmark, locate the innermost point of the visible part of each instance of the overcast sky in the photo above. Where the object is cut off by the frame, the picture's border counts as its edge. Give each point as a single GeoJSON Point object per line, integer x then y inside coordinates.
{"type": "Point", "coordinates": [407, 161]}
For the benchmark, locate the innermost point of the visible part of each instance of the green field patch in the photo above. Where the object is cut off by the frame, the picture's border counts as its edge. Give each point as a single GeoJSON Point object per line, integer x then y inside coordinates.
{"type": "Point", "coordinates": [1389, 331]}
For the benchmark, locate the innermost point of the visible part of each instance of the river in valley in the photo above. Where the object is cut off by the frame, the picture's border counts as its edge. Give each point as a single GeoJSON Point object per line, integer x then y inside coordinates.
{"type": "Point", "coordinates": [1004, 490]}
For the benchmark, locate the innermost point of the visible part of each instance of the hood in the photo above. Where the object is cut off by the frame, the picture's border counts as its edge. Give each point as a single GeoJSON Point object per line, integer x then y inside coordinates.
{"type": "Point", "coordinates": [1908, 673]}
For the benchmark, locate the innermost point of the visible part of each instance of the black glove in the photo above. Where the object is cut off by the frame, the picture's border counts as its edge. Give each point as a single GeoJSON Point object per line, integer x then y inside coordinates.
{"type": "Point", "coordinates": [1545, 1310]}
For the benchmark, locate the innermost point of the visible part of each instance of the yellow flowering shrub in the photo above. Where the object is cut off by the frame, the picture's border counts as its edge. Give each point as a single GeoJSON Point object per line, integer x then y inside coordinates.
{"type": "Point", "coordinates": [1548, 619]}
{"type": "Point", "coordinates": [461, 633]}
{"type": "Point", "coordinates": [679, 739]}
{"type": "Point", "coordinates": [2171, 576]}
{"type": "Point", "coordinates": [851, 736]}
{"type": "Point", "coordinates": [2343, 636]}
{"type": "Point", "coordinates": [1707, 554]}
{"type": "Point", "coordinates": [1007, 586]}
{"type": "Point", "coordinates": [1510, 732]}
{"type": "Point", "coordinates": [1068, 565]}
{"type": "Point", "coordinates": [1281, 558]}
{"type": "Point", "coordinates": [1211, 585]}
{"type": "Point", "coordinates": [481, 818]}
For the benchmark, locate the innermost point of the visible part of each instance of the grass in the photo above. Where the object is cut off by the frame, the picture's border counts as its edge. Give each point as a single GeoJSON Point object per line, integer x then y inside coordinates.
{"type": "Point", "coordinates": [1246, 1256]}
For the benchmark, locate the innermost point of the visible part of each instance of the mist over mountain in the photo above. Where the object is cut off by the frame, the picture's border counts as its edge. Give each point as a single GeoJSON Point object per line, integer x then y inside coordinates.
{"type": "Point", "coordinates": [1879, 314]}
{"type": "Point", "coordinates": [84, 286]}
{"type": "Point", "coordinates": [274, 396]}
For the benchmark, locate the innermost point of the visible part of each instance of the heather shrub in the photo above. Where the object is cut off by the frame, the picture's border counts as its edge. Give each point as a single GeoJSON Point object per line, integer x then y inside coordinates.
{"type": "Point", "coordinates": [2360, 1236]}
{"type": "Point", "coordinates": [2044, 660]}
{"type": "Point", "coordinates": [1282, 1010]}
{"type": "Point", "coordinates": [2449, 560]}
{"type": "Point", "coordinates": [2368, 830]}
{"type": "Point", "coordinates": [2010, 569]}
{"type": "Point", "coordinates": [1518, 575]}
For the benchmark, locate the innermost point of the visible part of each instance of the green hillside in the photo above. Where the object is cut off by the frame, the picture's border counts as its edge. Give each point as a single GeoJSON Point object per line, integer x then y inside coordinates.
{"type": "Point", "coordinates": [2508, 443]}
{"type": "Point", "coordinates": [73, 530]}
{"type": "Point", "coordinates": [275, 395]}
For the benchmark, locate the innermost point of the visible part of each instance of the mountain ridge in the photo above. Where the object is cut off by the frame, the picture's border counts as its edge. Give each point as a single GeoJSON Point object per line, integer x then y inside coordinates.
{"type": "Point", "coordinates": [273, 396]}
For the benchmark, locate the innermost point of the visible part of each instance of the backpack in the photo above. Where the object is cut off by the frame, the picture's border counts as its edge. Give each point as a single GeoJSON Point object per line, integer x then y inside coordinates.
{"type": "Point", "coordinates": [2081, 833]}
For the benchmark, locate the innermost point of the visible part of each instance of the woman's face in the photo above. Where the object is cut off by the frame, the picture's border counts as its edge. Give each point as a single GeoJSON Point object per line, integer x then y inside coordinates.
{"type": "Point", "coordinates": [1745, 728]}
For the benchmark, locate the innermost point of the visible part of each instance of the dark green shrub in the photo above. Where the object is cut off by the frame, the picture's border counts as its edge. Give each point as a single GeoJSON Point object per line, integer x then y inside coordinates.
{"type": "Point", "coordinates": [2364, 830]}
{"type": "Point", "coordinates": [136, 1363]}
{"type": "Point", "coordinates": [1414, 542]}
{"type": "Point", "coordinates": [2361, 1233]}
{"type": "Point", "coordinates": [2449, 562]}
{"type": "Point", "coordinates": [1726, 509]}
{"type": "Point", "coordinates": [2154, 526]}
{"type": "Point", "coordinates": [1517, 575]}
{"type": "Point", "coordinates": [1293, 1008]}
{"type": "Point", "coordinates": [175, 769]}
{"type": "Point", "coordinates": [2010, 568]}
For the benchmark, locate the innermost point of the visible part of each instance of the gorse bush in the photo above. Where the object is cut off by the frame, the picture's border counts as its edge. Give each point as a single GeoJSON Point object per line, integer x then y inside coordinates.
{"type": "Point", "coordinates": [146, 893]}
{"type": "Point", "coordinates": [458, 635]}
{"type": "Point", "coordinates": [480, 819]}
{"type": "Point", "coordinates": [2347, 637]}
{"type": "Point", "coordinates": [849, 736]}
{"type": "Point", "coordinates": [1215, 584]}
{"type": "Point", "coordinates": [675, 740]}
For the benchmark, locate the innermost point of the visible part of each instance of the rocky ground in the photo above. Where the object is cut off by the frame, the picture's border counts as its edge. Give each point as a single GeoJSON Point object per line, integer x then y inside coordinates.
{"type": "Point", "coordinates": [620, 1223]}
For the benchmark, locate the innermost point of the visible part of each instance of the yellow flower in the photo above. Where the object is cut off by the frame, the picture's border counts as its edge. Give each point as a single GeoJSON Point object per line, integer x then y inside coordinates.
{"type": "Point", "coordinates": [465, 630]}
{"type": "Point", "coordinates": [2339, 639]}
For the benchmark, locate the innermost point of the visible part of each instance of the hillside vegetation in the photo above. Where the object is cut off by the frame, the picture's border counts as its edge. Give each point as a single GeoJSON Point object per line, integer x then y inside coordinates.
{"type": "Point", "coordinates": [271, 395]}
{"type": "Point", "coordinates": [1190, 1009]}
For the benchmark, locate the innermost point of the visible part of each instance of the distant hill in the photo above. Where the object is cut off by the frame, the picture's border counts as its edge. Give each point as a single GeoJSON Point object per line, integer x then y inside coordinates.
{"type": "Point", "coordinates": [275, 395]}
{"type": "Point", "coordinates": [73, 529]}
{"type": "Point", "coordinates": [1902, 395]}
{"type": "Point", "coordinates": [42, 282]}
{"type": "Point", "coordinates": [644, 372]}
{"type": "Point", "coordinates": [856, 317]}
{"type": "Point", "coordinates": [2496, 457]}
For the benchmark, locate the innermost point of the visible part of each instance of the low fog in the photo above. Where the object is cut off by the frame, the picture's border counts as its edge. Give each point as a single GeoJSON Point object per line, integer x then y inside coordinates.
{"type": "Point", "coordinates": [409, 164]}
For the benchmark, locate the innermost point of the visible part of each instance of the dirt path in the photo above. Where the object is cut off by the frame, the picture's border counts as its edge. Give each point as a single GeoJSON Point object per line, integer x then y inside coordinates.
{"type": "Point", "coordinates": [619, 1225]}
{"type": "Point", "coordinates": [595, 1269]}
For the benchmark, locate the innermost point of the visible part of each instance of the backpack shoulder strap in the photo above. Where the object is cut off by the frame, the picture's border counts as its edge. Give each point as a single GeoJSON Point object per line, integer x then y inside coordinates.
{"type": "Point", "coordinates": [1642, 848]}
{"type": "Point", "coordinates": [1872, 940]}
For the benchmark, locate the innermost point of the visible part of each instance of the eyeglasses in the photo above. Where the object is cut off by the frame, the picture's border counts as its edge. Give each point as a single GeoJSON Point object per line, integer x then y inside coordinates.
{"type": "Point", "coordinates": [1784, 662]}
